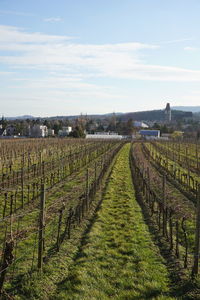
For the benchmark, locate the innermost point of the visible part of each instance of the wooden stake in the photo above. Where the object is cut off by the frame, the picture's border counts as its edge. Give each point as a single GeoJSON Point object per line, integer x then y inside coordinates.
{"type": "Point", "coordinates": [197, 237]}
{"type": "Point", "coordinates": [22, 187]}
{"type": "Point", "coordinates": [7, 261]}
{"type": "Point", "coordinates": [164, 205]}
{"type": "Point", "coordinates": [59, 225]}
{"type": "Point", "coordinates": [87, 188]}
{"type": "Point", "coordinates": [41, 227]}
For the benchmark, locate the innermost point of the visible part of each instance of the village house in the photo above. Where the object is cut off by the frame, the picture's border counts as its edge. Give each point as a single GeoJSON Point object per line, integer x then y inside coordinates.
{"type": "Point", "coordinates": [150, 134]}
{"type": "Point", "coordinates": [65, 131]}
{"type": "Point", "coordinates": [11, 130]}
{"type": "Point", "coordinates": [140, 124]}
{"type": "Point", "coordinates": [39, 131]}
{"type": "Point", "coordinates": [104, 135]}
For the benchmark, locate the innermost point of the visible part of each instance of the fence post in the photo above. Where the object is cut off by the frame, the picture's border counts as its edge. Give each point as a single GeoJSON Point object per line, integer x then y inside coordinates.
{"type": "Point", "coordinates": [41, 226]}
{"type": "Point", "coordinates": [164, 205]}
{"type": "Point", "coordinates": [59, 225]}
{"type": "Point", "coordinates": [7, 260]}
{"type": "Point", "coordinates": [95, 176]}
{"type": "Point", "coordinates": [197, 236]}
{"type": "Point", "coordinates": [22, 187]}
{"type": "Point", "coordinates": [5, 204]}
{"type": "Point", "coordinates": [87, 188]}
{"type": "Point", "coordinates": [148, 186]}
{"type": "Point", "coordinates": [186, 242]}
{"type": "Point", "coordinates": [177, 239]}
{"type": "Point", "coordinates": [171, 228]}
{"type": "Point", "coordinates": [197, 158]}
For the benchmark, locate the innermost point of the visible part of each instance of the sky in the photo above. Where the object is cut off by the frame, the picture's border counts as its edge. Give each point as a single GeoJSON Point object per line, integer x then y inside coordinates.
{"type": "Point", "coordinates": [68, 57]}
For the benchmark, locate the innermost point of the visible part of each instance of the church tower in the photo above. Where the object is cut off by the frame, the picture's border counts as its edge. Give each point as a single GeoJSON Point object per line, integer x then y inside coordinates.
{"type": "Point", "coordinates": [168, 113]}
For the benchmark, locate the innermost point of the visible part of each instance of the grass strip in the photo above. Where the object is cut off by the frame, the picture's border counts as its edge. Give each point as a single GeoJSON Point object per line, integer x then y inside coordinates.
{"type": "Point", "coordinates": [117, 259]}
{"type": "Point", "coordinates": [43, 286]}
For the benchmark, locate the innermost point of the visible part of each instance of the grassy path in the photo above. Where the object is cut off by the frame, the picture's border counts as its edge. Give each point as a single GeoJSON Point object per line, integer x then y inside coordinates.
{"type": "Point", "coordinates": [118, 260]}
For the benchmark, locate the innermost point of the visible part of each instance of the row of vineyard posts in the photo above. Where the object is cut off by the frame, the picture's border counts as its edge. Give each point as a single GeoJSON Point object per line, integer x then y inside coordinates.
{"type": "Point", "coordinates": [182, 153]}
{"type": "Point", "coordinates": [11, 177]}
{"type": "Point", "coordinates": [170, 223]}
{"type": "Point", "coordinates": [173, 167]}
{"type": "Point", "coordinates": [22, 191]}
{"type": "Point", "coordinates": [68, 218]}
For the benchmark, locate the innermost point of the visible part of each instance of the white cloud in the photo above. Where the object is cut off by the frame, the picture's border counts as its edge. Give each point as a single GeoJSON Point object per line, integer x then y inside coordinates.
{"type": "Point", "coordinates": [53, 19]}
{"type": "Point", "coordinates": [6, 73]}
{"type": "Point", "coordinates": [54, 53]}
{"type": "Point", "coordinates": [16, 36]}
{"type": "Point", "coordinates": [16, 13]}
{"type": "Point", "coordinates": [178, 41]}
{"type": "Point", "coordinates": [190, 49]}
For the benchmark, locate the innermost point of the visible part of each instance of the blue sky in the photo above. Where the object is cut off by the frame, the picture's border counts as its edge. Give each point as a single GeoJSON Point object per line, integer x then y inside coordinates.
{"type": "Point", "coordinates": [96, 56]}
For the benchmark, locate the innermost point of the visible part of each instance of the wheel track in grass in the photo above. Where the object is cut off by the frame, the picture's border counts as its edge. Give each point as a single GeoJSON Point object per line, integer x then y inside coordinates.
{"type": "Point", "coordinates": [42, 287]}
{"type": "Point", "coordinates": [117, 258]}
{"type": "Point", "coordinates": [28, 237]}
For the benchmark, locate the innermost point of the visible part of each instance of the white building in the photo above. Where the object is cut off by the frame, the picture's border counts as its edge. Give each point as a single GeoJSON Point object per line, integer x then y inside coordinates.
{"type": "Point", "coordinates": [2, 131]}
{"type": "Point", "coordinates": [65, 131]}
{"type": "Point", "coordinates": [166, 136]}
{"type": "Point", "coordinates": [104, 135]}
{"type": "Point", "coordinates": [39, 131]}
{"type": "Point", "coordinates": [51, 132]}
{"type": "Point", "coordinates": [150, 134]}
{"type": "Point", "coordinates": [139, 124]}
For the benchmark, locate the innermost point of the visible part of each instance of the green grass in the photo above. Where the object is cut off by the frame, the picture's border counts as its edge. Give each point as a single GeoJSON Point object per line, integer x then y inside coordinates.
{"type": "Point", "coordinates": [118, 259]}
{"type": "Point", "coordinates": [43, 286]}
{"type": "Point", "coordinates": [176, 164]}
{"type": "Point", "coordinates": [26, 249]}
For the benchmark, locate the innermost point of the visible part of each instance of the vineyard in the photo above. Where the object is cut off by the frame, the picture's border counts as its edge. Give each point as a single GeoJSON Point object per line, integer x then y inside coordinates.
{"type": "Point", "coordinates": [75, 214]}
{"type": "Point", "coordinates": [46, 190]}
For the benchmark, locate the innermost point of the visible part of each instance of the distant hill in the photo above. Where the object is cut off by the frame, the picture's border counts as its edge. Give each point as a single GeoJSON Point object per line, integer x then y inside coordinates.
{"type": "Point", "coordinates": [194, 109]}
{"type": "Point", "coordinates": [149, 115]}
{"type": "Point", "coordinates": [96, 116]}
{"type": "Point", "coordinates": [154, 115]}
{"type": "Point", "coordinates": [21, 117]}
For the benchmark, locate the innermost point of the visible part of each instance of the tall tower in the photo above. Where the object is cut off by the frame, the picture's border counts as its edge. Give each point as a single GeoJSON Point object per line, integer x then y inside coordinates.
{"type": "Point", "coordinates": [168, 113]}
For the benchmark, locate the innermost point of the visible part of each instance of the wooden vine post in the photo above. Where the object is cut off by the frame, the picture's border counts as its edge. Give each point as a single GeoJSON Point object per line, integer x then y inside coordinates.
{"type": "Point", "coordinates": [22, 187]}
{"type": "Point", "coordinates": [164, 205]}
{"type": "Point", "coordinates": [186, 242]}
{"type": "Point", "coordinates": [7, 261]}
{"type": "Point", "coordinates": [197, 237]}
{"type": "Point", "coordinates": [95, 176]}
{"type": "Point", "coordinates": [171, 228]}
{"type": "Point", "coordinates": [87, 188]}
{"type": "Point", "coordinates": [41, 227]}
{"type": "Point", "coordinates": [7, 256]}
{"type": "Point", "coordinates": [59, 225]}
{"type": "Point", "coordinates": [148, 186]}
